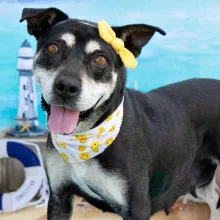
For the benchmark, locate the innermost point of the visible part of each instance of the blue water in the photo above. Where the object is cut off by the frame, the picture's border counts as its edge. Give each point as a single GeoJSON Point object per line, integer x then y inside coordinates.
{"type": "Point", "coordinates": [190, 49]}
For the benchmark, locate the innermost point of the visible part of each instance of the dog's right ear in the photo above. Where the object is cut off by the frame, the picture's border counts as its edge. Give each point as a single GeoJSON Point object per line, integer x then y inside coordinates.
{"type": "Point", "coordinates": [40, 20]}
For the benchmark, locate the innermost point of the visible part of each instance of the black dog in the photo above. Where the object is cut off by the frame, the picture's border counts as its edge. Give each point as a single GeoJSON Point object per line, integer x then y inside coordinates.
{"type": "Point", "coordinates": [167, 137]}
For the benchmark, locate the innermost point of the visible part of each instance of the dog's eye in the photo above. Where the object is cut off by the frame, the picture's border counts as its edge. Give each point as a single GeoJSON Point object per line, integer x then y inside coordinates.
{"type": "Point", "coordinates": [100, 61]}
{"type": "Point", "coordinates": [53, 49]}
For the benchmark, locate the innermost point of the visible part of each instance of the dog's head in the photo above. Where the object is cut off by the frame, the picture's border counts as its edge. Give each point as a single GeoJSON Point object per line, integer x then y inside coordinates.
{"type": "Point", "coordinates": [77, 70]}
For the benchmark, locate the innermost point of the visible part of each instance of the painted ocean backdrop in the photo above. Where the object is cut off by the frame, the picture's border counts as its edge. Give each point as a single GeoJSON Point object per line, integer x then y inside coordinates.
{"type": "Point", "coordinates": [190, 49]}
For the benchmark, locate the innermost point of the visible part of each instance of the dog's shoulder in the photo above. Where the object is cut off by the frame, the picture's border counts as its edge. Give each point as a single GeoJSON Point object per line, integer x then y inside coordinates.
{"type": "Point", "coordinates": [184, 88]}
{"type": "Point", "coordinates": [179, 95]}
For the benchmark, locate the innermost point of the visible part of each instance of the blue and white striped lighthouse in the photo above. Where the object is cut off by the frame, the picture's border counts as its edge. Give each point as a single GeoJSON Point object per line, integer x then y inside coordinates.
{"type": "Point", "coordinates": [27, 118]}
{"type": "Point", "coordinates": [27, 99]}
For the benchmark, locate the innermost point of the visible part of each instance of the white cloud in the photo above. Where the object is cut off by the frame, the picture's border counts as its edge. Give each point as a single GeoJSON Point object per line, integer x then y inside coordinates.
{"type": "Point", "coordinates": [218, 18]}
{"type": "Point", "coordinates": [215, 18]}
{"type": "Point", "coordinates": [189, 35]}
{"type": "Point", "coordinates": [201, 49]}
{"type": "Point", "coordinates": [179, 48]}
{"type": "Point", "coordinates": [146, 53]}
{"type": "Point", "coordinates": [179, 14]}
{"type": "Point", "coordinates": [216, 42]}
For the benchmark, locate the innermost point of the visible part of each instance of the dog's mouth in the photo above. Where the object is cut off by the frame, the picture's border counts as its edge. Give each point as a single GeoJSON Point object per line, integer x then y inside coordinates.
{"type": "Point", "coordinates": [63, 120]}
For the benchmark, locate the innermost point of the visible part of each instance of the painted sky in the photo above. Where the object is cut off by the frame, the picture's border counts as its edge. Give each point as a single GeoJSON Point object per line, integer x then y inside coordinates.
{"type": "Point", "coordinates": [190, 49]}
{"type": "Point", "coordinates": [192, 26]}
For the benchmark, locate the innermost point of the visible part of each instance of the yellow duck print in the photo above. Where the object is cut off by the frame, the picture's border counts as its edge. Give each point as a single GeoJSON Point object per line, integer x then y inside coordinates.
{"type": "Point", "coordinates": [101, 130]}
{"type": "Point", "coordinates": [84, 156]}
{"type": "Point", "coordinates": [65, 156]}
{"type": "Point", "coordinates": [63, 144]}
{"type": "Point", "coordinates": [109, 118]}
{"type": "Point", "coordinates": [82, 138]}
{"type": "Point", "coordinates": [112, 129]}
{"type": "Point", "coordinates": [81, 148]}
{"type": "Point", "coordinates": [95, 146]}
{"type": "Point", "coordinates": [109, 141]}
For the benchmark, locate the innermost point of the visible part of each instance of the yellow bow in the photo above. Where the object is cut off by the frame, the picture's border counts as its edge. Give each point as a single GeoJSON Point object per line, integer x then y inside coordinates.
{"type": "Point", "coordinates": [108, 35]}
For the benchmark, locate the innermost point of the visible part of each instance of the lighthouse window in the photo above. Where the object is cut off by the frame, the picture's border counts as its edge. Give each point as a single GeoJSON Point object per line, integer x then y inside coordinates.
{"type": "Point", "coordinates": [24, 87]}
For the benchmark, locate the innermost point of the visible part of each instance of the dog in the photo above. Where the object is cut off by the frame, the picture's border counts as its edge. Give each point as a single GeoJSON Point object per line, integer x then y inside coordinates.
{"type": "Point", "coordinates": [167, 138]}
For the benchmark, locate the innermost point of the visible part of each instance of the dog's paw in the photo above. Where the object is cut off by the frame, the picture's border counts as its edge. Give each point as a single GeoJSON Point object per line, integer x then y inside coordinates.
{"type": "Point", "coordinates": [178, 206]}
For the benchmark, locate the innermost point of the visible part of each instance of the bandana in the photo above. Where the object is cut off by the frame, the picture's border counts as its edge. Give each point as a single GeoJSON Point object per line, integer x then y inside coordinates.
{"type": "Point", "coordinates": [82, 146]}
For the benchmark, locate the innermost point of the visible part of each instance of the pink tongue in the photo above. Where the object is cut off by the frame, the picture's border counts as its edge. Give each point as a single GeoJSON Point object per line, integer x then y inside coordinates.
{"type": "Point", "coordinates": [62, 120]}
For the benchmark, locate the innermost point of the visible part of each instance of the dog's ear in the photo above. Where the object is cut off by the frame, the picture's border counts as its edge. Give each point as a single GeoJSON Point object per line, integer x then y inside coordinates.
{"type": "Point", "coordinates": [136, 36]}
{"type": "Point", "coordinates": [40, 20]}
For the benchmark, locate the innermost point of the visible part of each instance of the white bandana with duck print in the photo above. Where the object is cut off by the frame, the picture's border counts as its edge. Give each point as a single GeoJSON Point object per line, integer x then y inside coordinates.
{"type": "Point", "coordinates": [79, 147]}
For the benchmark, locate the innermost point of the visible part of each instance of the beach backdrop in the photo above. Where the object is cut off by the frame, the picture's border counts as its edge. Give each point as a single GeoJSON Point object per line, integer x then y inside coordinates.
{"type": "Point", "coordinates": [190, 49]}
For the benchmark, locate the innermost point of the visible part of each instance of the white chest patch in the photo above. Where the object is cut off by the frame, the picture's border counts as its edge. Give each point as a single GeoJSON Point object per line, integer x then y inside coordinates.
{"type": "Point", "coordinates": [106, 185]}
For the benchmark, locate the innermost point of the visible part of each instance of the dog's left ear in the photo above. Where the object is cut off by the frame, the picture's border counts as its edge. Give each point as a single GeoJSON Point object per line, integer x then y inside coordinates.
{"type": "Point", "coordinates": [41, 19]}
{"type": "Point", "coordinates": [136, 36]}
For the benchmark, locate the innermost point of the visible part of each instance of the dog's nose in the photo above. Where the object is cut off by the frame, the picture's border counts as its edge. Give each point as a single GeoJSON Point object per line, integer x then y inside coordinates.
{"type": "Point", "coordinates": [66, 88]}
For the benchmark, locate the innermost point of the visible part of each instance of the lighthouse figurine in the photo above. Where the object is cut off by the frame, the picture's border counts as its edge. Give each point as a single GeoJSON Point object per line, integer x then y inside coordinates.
{"type": "Point", "coordinates": [27, 123]}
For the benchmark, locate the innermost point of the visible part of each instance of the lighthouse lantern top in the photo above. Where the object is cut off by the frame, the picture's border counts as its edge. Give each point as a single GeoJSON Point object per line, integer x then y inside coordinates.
{"type": "Point", "coordinates": [25, 57]}
{"type": "Point", "coordinates": [25, 50]}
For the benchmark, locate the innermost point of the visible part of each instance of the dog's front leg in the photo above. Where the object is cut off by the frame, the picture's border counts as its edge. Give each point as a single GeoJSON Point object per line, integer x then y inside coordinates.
{"type": "Point", "coordinates": [140, 212]}
{"type": "Point", "coordinates": [139, 202]}
{"type": "Point", "coordinates": [60, 206]}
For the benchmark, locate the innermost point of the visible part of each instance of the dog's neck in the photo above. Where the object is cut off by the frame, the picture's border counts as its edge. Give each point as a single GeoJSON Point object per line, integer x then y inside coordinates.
{"type": "Point", "coordinates": [100, 114]}
{"type": "Point", "coordinates": [90, 122]}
